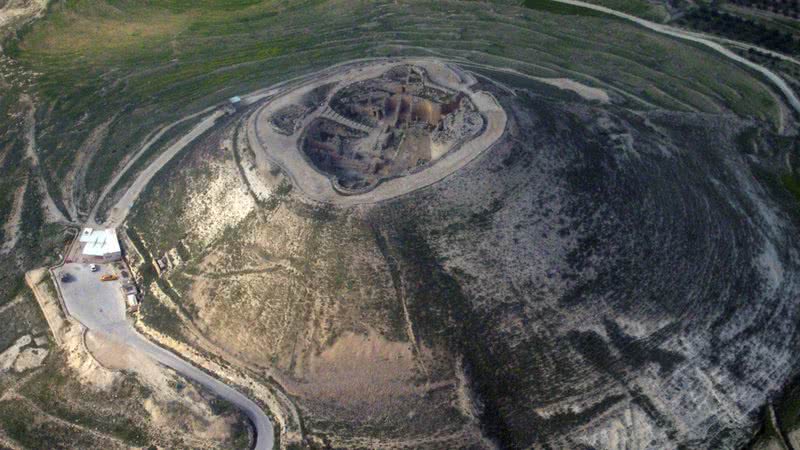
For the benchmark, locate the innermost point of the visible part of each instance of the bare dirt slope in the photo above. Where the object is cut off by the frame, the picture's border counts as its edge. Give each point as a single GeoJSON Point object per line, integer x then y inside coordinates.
{"type": "Point", "coordinates": [86, 391]}
{"type": "Point", "coordinates": [324, 319]}
{"type": "Point", "coordinates": [596, 276]}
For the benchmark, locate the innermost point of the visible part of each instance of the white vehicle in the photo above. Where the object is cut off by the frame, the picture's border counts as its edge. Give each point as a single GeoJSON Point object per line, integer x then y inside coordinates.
{"type": "Point", "coordinates": [93, 267]}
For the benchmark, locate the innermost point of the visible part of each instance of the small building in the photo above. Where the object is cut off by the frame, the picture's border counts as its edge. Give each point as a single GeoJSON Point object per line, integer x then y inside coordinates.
{"type": "Point", "coordinates": [129, 289]}
{"type": "Point", "coordinates": [132, 302]}
{"type": "Point", "coordinates": [233, 104]}
{"type": "Point", "coordinates": [101, 244]}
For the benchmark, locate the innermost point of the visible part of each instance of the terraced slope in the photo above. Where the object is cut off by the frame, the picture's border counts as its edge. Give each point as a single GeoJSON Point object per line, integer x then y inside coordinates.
{"type": "Point", "coordinates": [603, 275]}
{"type": "Point", "coordinates": [616, 271]}
{"type": "Point", "coordinates": [111, 73]}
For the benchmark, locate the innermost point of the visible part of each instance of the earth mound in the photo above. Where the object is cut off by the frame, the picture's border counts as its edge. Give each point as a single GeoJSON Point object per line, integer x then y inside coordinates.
{"type": "Point", "coordinates": [589, 275]}
{"type": "Point", "coordinates": [377, 130]}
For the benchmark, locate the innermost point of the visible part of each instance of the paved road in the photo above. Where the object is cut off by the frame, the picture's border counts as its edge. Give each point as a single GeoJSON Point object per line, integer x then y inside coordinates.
{"type": "Point", "coordinates": [787, 91]}
{"type": "Point", "coordinates": [99, 306]}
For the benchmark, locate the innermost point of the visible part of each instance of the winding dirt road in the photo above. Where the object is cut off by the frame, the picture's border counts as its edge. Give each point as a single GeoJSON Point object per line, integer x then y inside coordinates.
{"type": "Point", "coordinates": [787, 91]}
{"type": "Point", "coordinates": [149, 143]}
{"type": "Point", "coordinates": [119, 212]}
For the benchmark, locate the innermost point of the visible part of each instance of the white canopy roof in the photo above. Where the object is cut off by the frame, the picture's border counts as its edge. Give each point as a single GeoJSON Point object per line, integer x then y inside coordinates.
{"type": "Point", "coordinates": [100, 242]}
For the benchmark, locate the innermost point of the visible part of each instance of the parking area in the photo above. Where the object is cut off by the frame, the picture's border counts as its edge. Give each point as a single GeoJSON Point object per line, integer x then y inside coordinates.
{"type": "Point", "coordinates": [98, 305]}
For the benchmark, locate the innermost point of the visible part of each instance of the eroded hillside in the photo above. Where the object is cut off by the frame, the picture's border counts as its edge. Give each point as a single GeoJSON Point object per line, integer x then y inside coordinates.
{"type": "Point", "coordinates": [612, 265]}
{"type": "Point", "coordinates": [600, 275]}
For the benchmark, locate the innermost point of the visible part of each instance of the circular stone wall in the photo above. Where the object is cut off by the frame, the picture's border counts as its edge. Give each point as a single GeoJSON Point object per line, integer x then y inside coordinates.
{"type": "Point", "coordinates": [367, 132]}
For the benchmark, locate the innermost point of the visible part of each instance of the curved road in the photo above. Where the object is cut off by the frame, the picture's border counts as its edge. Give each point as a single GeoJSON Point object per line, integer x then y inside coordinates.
{"type": "Point", "coordinates": [118, 213]}
{"type": "Point", "coordinates": [99, 306]}
{"type": "Point", "coordinates": [787, 91]}
{"type": "Point", "coordinates": [152, 140]}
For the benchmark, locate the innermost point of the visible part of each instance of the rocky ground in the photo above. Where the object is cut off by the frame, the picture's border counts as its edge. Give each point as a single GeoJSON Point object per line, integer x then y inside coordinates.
{"type": "Point", "coordinates": [631, 275]}
{"type": "Point", "coordinates": [16, 13]}
{"type": "Point", "coordinates": [602, 276]}
{"type": "Point", "coordinates": [76, 389]}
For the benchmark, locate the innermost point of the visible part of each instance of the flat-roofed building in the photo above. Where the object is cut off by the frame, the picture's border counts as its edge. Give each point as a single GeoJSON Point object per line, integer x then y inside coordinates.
{"type": "Point", "coordinates": [101, 244]}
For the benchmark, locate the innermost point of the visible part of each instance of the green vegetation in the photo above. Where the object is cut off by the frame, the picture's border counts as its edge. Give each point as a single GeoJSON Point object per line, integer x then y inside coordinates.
{"type": "Point", "coordinates": [152, 311]}
{"type": "Point", "coordinates": [134, 66]}
{"type": "Point", "coordinates": [788, 9]}
{"type": "Point", "coordinates": [62, 395]}
{"type": "Point", "coordinates": [787, 415]}
{"type": "Point", "coordinates": [788, 408]}
{"type": "Point", "coordinates": [12, 169]}
{"type": "Point", "coordinates": [21, 319]}
{"type": "Point", "coordinates": [39, 242]}
{"type": "Point", "coordinates": [17, 419]}
{"type": "Point", "coordinates": [241, 429]}
{"type": "Point", "coordinates": [791, 181]}
{"type": "Point", "coordinates": [711, 20]}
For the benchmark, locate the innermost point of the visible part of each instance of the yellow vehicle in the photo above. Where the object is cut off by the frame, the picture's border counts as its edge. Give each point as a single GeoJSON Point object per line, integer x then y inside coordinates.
{"type": "Point", "coordinates": [108, 278]}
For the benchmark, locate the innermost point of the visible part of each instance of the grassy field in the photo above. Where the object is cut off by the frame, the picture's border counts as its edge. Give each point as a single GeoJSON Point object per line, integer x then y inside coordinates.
{"type": "Point", "coordinates": [136, 66]}
{"type": "Point", "coordinates": [63, 396]}
{"type": "Point", "coordinates": [640, 8]}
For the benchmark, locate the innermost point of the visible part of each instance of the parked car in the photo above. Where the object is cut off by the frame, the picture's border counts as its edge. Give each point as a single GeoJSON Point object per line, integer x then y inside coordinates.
{"type": "Point", "coordinates": [93, 267]}
{"type": "Point", "coordinates": [108, 277]}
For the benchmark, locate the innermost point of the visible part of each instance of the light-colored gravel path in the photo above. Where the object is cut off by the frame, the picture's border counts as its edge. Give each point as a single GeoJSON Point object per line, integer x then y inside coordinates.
{"type": "Point", "coordinates": [149, 143]}
{"type": "Point", "coordinates": [120, 211]}
{"type": "Point", "coordinates": [699, 38]}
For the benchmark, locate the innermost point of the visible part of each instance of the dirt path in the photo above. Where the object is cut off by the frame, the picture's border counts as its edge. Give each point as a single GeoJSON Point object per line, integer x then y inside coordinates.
{"type": "Point", "coordinates": [51, 210]}
{"type": "Point", "coordinates": [712, 43]}
{"type": "Point", "coordinates": [6, 441]}
{"type": "Point", "coordinates": [12, 304]}
{"type": "Point", "coordinates": [148, 143]}
{"type": "Point", "coordinates": [120, 211]}
{"type": "Point", "coordinates": [109, 439]}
